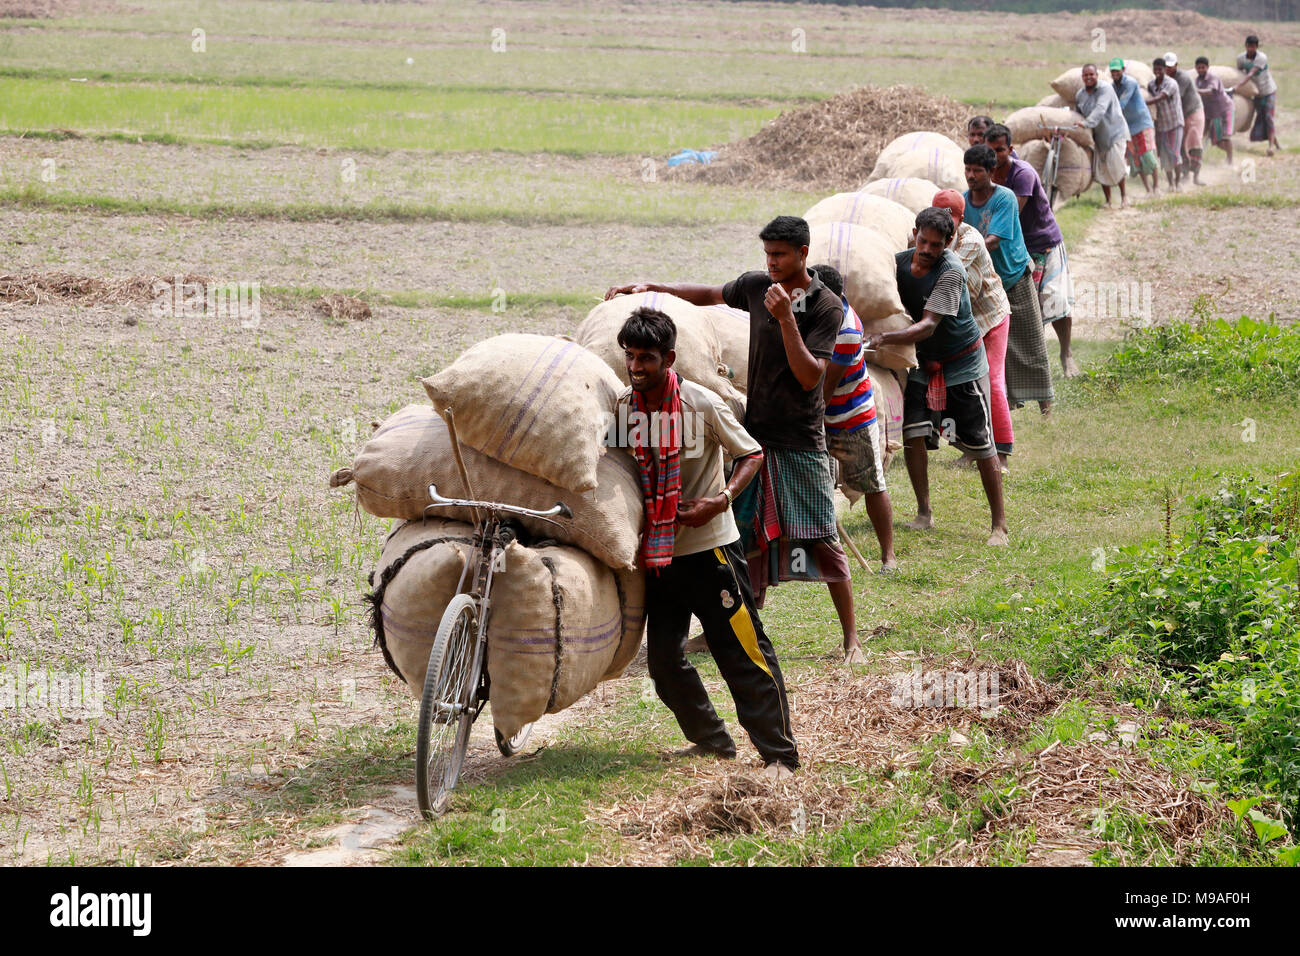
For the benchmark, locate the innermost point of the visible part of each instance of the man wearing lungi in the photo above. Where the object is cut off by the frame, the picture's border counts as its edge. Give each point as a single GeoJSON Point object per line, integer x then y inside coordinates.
{"type": "Point", "coordinates": [1218, 107]}
{"type": "Point", "coordinates": [786, 515]}
{"type": "Point", "coordinates": [992, 209]}
{"type": "Point", "coordinates": [1141, 149]}
{"type": "Point", "coordinates": [1102, 114]}
{"type": "Point", "coordinates": [1254, 64]}
{"type": "Point", "coordinates": [1168, 103]}
{"type": "Point", "coordinates": [1043, 240]}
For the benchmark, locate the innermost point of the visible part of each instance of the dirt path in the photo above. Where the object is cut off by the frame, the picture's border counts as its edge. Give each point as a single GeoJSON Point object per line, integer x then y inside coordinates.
{"type": "Point", "coordinates": [1151, 261]}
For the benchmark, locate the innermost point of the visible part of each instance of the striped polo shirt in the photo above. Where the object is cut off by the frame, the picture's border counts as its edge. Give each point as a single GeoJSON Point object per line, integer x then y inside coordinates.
{"type": "Point", "coordinates": [853, 404]}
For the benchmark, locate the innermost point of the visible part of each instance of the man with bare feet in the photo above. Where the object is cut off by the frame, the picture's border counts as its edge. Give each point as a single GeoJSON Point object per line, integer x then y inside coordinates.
{"type": "Point", "coordinates": [949, 392]}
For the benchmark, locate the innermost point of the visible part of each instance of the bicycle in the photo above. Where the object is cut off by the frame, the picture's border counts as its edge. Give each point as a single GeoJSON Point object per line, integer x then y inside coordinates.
{"type": "Point", "coordinates": [456, 685]}
{"type": "Point", "coordinates": [1052, 164]}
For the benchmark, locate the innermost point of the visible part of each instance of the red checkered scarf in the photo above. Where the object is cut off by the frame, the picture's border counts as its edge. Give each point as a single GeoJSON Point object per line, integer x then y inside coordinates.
{"type": "Point", "coordinates": [661, 486]}
{"type": "Point", "coordinates": [936, 391]}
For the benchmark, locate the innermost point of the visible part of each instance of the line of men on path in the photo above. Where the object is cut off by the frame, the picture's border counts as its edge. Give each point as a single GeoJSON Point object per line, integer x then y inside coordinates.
{"type": "Point", "coordinates": [986, 270]}
{"type": "Point", "coordinates": [713, 544]}
{"type": "Point", "coordinates": [1128, 140]}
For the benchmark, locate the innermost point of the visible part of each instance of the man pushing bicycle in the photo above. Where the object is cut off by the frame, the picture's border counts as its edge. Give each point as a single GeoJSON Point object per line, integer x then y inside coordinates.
{"type": "Point", "coordinates": [691, 550]}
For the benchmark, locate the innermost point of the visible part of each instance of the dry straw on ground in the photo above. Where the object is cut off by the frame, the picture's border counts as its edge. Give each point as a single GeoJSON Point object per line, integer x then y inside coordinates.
{"type": "Point", "coordinates": [37, 288]}
{"type": "Point", "coordinates": [849, 726]}
{"type": "Point", "coordinates": [832, 144]}
{"type": "Point", "coordinates": [336, 305]}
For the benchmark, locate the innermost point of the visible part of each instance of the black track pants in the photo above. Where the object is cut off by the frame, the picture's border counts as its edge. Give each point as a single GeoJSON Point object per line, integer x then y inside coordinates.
{"type": "Point", "coordinates": [714, 586]}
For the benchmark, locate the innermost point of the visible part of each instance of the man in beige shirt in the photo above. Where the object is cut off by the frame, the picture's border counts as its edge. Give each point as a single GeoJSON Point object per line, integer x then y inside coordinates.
{"type": "Point", "coordinates": [706, 573]}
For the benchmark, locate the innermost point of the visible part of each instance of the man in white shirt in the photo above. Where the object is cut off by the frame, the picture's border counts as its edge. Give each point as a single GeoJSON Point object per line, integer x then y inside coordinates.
{"type": "Point", "coordinates": [677, 431]}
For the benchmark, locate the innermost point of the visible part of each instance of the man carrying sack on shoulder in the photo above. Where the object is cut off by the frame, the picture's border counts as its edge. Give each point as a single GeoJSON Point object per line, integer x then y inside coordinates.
{"type": "Point", "coordinates": [677, 431]}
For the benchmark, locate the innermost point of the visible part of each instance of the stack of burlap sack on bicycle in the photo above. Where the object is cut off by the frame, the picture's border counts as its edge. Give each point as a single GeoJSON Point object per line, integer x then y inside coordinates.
{"type": "Point", "coordinates": [531, 413]}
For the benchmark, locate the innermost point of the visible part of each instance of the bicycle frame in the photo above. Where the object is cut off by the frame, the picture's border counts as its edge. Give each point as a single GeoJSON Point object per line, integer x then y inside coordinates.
{"type": "Point", "coordinates": [489, 557]}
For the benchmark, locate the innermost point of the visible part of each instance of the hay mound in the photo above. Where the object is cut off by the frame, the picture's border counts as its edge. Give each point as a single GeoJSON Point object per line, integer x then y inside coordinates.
{"type": "Point", "coordinates": [37, 288]}
{"type": "Point", "coordinates": [833, 144]}
{"type": "Point", "coordinates": [847, 724]}
{"type": "Point", "coordinates": [336, 305]}
{"type": "Point", "coordinates": [1163, 28]}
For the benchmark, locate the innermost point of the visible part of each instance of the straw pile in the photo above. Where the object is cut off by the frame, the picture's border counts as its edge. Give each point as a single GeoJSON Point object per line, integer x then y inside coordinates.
{"type": "Point", "coordinates": [38, 288]}
{"type": "Point", "coordinates": [832, 144]}
{"type": "Point", "coordinates": [847, 725]}
{"type": "Point", "coordinates": [336, 305]}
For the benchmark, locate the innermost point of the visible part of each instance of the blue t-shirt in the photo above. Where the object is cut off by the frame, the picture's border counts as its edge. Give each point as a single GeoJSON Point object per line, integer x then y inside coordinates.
{"type": "Point", "coordinates": [1132, 105]}
{"type": "Point", "coordinates": [1000, 217]}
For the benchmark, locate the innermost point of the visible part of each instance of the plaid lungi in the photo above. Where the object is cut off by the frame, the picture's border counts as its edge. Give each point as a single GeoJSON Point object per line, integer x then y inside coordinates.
{"type": "Point", "coordinates": [1052, 277]}
{"type": "Point", "coordinates": [1029, 377]}
{"type": "Point", "coordinates": [787, 521]}
{"type": "Point", "coordinates": [1265, 117]}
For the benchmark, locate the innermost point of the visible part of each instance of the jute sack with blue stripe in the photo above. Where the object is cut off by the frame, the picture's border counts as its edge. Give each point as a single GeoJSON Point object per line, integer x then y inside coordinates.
{"type": "Point", "coordinates": [534, 402]}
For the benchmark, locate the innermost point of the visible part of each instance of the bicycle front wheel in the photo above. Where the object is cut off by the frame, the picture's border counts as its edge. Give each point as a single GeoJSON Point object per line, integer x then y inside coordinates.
{"type": "Point", "coordinates": [445, 714]}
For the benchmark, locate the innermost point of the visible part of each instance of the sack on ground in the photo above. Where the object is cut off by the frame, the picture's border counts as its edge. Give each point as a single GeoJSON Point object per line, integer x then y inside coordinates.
{"type": "Point", "coordinates": [412, 449]}
{"type": "Point", "coordinates": [533, 402]}
{"type": "Point", "coordinates": [866, 261]}
{"type": "Point", "coordinates": [868, 207]}
{"type": "Point", "coordinates": [1025, 125]}
{"type": "Point", "coordinates": [910, 193]}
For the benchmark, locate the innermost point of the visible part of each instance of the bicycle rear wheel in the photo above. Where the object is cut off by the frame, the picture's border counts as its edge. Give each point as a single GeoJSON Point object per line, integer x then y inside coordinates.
{"type": "Point", "coordinates": [445, 716]}
{"type": "Point", "coordinates": [512, 745]}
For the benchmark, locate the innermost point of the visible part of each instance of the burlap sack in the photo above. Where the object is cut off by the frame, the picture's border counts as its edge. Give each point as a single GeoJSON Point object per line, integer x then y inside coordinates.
{"type": "Point", "coordinates": [865, 208]}
{"type": "Point", "coordinates": [533, 402]}
{"type": "Point", "coordinates": [1024, 125]}
{"type": "Point", "coordinates": [889, 410]}
{"type": "Point", "coordinates": [412, 450]}
{"type": "Point", "coordinates": [417, 575]}
{"type": "Point", "coordinates": [931, 156]}
{"type": "Point", "coordinates": [1073, 176]}
{"type": "Point", "coordinates": [912, 194]}
{"type": "Point", "coordinates": [1232, 78]}
{"type": "Point", "coordinates": [865, 259]}
{"type": "Point", "coordinates": [1053, 101]}
{"type": "Point", "coordinates": [1243, 114]}
{"type": "Point", "coordinates": [1068, 84]}
{"type": "Point", "coordinates": [731, 326]}
{"type": "Point", "coordinates": [699, 354]}
{"type": "Point", "coordinates": [600, 616]}
{"type": "Point", "coordinates": [561, 623]}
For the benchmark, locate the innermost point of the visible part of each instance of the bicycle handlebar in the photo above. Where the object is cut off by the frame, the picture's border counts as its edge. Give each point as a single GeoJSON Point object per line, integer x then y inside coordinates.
{"type": "Point", "coordinates": [560, 508]}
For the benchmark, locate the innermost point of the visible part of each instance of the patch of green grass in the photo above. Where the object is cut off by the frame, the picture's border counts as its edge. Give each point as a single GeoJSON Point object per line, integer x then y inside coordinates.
{"type": "Point", "coordinates": [1219, 200]}
{"type": "Point", "coordinates": [602, 202]}
{"type": "Point", "coordinates": [377, 119]}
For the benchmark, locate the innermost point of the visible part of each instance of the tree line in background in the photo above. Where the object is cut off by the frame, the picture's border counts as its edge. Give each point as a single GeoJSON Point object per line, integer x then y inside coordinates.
{"type": "Point", "coordinates": [1227, 9]}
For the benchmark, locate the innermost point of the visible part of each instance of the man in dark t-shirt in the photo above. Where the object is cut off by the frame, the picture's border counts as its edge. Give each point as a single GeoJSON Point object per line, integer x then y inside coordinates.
{"type": "Point", "coordinates": [787, 515]}
{"type": "Point", "coordinates": [949, 393]}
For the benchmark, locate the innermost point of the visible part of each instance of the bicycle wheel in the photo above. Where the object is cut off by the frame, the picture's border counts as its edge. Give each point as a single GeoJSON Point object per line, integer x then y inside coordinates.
{"type": "Point", "coordinates": [514, 744]}
{"type": "Point", "coordinates": [445, 720]}
{"type": "Point", "coordinates": [1050, 166]}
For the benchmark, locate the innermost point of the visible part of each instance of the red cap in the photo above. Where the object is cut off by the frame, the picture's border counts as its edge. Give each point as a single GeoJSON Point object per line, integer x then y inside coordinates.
{"type": "Point", "coordinates": [952, 201]}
